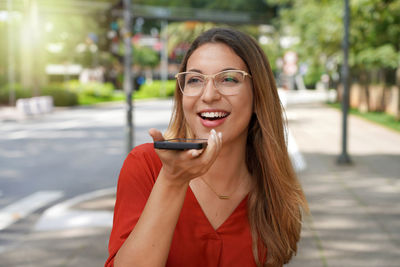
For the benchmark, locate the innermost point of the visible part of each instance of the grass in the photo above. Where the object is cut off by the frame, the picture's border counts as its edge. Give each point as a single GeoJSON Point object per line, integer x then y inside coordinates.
{"type": "Point", "coordinates": [380, 118]}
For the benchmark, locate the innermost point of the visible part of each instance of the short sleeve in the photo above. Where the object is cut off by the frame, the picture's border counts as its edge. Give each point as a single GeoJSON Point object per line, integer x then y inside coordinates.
{"type": "Point", "coordinates": [136, 180]}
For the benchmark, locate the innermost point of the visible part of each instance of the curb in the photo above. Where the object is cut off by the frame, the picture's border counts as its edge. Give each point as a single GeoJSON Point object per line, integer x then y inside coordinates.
{"type": "Point", "coordinates": [67, 214]}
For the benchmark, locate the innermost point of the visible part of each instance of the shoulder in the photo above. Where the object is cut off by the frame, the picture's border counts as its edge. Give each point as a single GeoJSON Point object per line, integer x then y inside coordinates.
{"type": "Point", "coordinates": [142, 160]}
{"type": "Point", "coordinates": [145, 150]}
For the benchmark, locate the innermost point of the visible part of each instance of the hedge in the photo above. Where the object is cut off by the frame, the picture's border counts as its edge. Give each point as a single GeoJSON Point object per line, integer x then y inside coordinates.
{"type": "Point", "coordinates": [61, 97]}
{"type": "Point", "coordinates": [20, 92]}
{"type": "Point", "coordinates": [154, 89]}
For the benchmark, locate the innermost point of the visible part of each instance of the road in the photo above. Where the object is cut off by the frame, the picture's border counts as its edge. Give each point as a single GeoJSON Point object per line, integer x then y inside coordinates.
{"type": "Point", "coordinates": [47, 159]}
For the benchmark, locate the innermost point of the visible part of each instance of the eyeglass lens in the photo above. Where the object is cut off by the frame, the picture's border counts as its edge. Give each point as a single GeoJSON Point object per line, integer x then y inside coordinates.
{"type": "Point", "coordinates": [227, 82]}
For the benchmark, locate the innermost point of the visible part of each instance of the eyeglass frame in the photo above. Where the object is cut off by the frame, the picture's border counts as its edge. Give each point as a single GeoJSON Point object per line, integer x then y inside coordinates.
{"type": "Point", "coordinates": [207, 77]}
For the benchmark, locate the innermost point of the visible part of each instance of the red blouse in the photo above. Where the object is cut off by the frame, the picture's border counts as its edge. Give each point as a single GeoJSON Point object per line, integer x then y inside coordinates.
{"type": "Point", "coordinates": [195, 242]}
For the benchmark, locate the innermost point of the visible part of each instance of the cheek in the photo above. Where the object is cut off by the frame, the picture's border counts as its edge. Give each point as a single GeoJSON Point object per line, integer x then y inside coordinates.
{"type": "Point", "coordinates": [247, 110]}
{"type": "Point", "coordinates": [188, 108]}
{"type": "Point", "coordinates": [249, 99]}
{"type": "Point", "coordinates": [185, 106]}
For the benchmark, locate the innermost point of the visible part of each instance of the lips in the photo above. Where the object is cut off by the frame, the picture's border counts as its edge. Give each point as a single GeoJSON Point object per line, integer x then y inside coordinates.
{"type": "Point", "coordinates": [213, 118]}
{"type": "Point", "coordinates": [213, 115]}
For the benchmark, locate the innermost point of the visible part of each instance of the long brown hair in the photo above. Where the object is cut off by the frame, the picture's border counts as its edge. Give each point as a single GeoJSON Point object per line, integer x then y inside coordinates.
{"type": "Point", "coordinates": [276, 201]}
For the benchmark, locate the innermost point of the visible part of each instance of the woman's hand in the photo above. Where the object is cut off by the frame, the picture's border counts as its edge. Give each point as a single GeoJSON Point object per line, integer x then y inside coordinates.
{"type": "Point", "coordinates": [179, 167]}
{"type": "Point", "coordinates": [150, 240]}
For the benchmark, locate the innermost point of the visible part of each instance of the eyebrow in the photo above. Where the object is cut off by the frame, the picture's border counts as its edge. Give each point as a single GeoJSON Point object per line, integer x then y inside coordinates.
{"type": "Point", "coordinates": [199, 71]}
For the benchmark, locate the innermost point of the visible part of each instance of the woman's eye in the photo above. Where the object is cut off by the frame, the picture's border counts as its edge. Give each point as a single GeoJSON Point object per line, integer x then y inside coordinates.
{"type": "Point", "coordinates": [229, 79]}
{"type": "Point", "coordinates": [193, 80]}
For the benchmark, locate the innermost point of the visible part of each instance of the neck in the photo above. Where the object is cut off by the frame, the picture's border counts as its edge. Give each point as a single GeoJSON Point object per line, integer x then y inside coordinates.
{"type": "Point", "coordinates": [230, 168]}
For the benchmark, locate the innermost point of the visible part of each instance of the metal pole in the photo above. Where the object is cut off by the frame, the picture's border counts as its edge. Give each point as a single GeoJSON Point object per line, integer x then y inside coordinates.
{"type": "Point", "coordinates": [11, 74]}
{"type": "Point", "coordinates": [344, 157]}
{"type": "Point", "coordinates": [128, 84]}
{"type": "Point", "coordinates": [35, 49]}
{"type": "Point", "coordinates": [164, 57]}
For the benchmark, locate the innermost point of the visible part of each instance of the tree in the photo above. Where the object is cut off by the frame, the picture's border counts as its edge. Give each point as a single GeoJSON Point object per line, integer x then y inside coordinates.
{"type": "Point", "coordinates": [231, 5]}
{"type": "Point", "coordinates": [317, 25]}
{"type": "Point", "coordinates": [145, 57]}
{"type": "Point", "coordinates": [375, 38]}
{"type": "Point", "coordinates": [374, 34]}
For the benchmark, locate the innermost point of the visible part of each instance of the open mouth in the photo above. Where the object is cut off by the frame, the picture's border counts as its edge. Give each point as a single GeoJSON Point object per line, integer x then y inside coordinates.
{"type": "Point", "coordinates": [212, 116]}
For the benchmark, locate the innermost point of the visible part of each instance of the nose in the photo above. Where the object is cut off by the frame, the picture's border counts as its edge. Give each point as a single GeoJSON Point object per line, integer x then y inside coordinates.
{"type": "Point", "coordinates": [210, 92]}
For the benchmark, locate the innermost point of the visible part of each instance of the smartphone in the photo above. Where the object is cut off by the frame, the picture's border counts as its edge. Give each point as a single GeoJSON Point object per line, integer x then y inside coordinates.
{"type": "Point", "coordinates": [181, 144]}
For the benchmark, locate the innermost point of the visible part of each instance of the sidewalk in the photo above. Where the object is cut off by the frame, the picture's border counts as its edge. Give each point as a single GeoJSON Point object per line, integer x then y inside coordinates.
{"type": "Point", "coordinates": [355, 209]}
{"type": "Point", "coordinates": [73, 241]}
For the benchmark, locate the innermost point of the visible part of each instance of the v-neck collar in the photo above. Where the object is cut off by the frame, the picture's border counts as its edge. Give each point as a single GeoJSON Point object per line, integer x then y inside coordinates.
{"type": "Point", "coordinates": [227, 220]}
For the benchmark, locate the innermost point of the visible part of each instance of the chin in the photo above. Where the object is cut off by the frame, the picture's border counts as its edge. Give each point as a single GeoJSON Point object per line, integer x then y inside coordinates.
{"type": "Point", "coordinates": [201, 134]}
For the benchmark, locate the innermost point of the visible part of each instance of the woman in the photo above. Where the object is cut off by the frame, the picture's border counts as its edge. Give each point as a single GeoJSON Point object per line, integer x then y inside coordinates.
{"type": "Point", "coordinates": [235, 203]}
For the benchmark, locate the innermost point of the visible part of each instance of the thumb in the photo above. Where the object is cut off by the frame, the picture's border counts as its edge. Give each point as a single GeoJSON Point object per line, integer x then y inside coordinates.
{"type": "Point", "coordinates": [156, 134]}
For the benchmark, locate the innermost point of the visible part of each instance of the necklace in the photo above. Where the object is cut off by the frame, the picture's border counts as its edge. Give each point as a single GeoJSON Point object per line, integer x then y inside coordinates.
{"type": "Point", "coordinates": [224, 197]}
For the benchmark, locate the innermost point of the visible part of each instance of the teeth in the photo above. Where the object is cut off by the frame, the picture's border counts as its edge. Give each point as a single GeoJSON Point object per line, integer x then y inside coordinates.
{"type": "Point", "coordinates": [214, 114]}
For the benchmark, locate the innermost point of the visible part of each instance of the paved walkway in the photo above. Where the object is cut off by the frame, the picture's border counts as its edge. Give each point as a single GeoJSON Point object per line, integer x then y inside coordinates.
{"type": "Point", "coordinates": [355, 212]}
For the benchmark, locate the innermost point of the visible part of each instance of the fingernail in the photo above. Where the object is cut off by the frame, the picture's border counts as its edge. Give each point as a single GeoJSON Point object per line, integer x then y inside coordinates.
{"type": "Point", "coordinates": [220, 135]}
{"type": "Point", "coordinates": [213, 131]}
{"type": "Point", "coordinates": [195, 153]}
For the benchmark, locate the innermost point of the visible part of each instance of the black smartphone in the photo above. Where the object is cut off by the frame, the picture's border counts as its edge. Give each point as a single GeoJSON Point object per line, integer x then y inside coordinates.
{"type": "Point", "coordinates": [181, 144]}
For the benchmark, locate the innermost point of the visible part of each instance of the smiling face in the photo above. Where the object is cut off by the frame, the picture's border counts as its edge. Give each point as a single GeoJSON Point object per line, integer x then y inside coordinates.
{"type": "Point", "coordinates": [229, 114]}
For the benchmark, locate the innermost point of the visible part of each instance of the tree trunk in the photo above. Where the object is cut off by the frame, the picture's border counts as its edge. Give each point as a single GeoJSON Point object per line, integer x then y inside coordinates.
{"type": "Point", "coordinates": [364, 101]}
{"type": "Point", "coordinates": [397, 113]}
{"type": "Point", "coordinates": [382, 79]}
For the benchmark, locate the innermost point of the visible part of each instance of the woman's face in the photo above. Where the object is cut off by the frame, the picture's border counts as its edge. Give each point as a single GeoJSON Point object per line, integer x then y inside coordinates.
{"type": "Point", "coordinates": [229, 114]}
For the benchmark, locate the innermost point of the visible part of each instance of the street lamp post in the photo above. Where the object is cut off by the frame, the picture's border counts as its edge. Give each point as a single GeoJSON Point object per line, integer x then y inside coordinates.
{"type": "Point", "coordinates": [11, 70]}
{"type": "Point", "coordinates": [344, 157]}
{"type": "Point", "coordinates": [128, 84]}
{"type": "Point", "coordinates": [164, 57]}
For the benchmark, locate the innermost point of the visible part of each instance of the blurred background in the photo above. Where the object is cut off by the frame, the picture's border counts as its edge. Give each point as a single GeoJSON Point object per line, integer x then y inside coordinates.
{"type": "Point", "coordinates": [81, 82]}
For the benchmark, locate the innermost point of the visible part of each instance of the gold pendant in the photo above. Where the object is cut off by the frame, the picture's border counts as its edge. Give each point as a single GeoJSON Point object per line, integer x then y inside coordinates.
{"type": "Point", "coordinates": [223, 197]}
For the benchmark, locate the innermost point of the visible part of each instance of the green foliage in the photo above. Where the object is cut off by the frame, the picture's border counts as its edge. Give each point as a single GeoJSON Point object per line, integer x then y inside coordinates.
{"type": "Point", "coordinates": [382, 56]}
{"type": "Point", "coordinates": [374, 33]}
{"type": "Point", "coordinates": [313, 75]}
{"type": "Point", "coordinates": [145, 57]}
{"type": "Point", "coordinates": [273, 50]}
{"type": "Point", "coordinates": [185, 33]}
{"type": "Point", "coordinates": [20, 92]}
{"type": "Point", "coordinates": [62, 97]}
{"type": "Point", "coordinates": [375, 37]}
{"type": "Point", "coordinates": [232, 5]}
{"type": "Point", "coordinates": [70, 93]}
{"type": "Point", "coordinates": [93, 89]}
{"type": "Point", "coordinates": [155, 89]}
{"type": "Point", "coordinates": [69, 33]}
{"type": "Point", "coordinates": [319, 27]}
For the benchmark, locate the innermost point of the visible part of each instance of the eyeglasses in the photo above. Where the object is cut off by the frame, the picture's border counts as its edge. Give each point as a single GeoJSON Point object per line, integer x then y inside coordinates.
{"type": "Point", "coordinates": [227, 82]}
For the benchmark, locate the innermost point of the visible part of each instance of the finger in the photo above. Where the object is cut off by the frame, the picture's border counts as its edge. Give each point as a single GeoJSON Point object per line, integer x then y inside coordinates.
{"type": "Point", "coordinates": [156, 134]}
{"type": "Point", "coordinates": [211, 149]}
{"type": "Point", "coordinates": [212, 139]}
{"type": "Point", "coordinates": [194, 153]}
{"type": "Point", "coordinates": [219, 140]}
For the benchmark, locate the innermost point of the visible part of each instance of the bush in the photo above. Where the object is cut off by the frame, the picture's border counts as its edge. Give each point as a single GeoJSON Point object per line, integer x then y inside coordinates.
{"type": "Point", "coordinates": [94, 89]}
{"type": "Point", "coordinates": [62, 97]}
{"type": "Point", "coordinates": [20, 92]}
{"type": "Point", "coordinates": [154, 89]}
